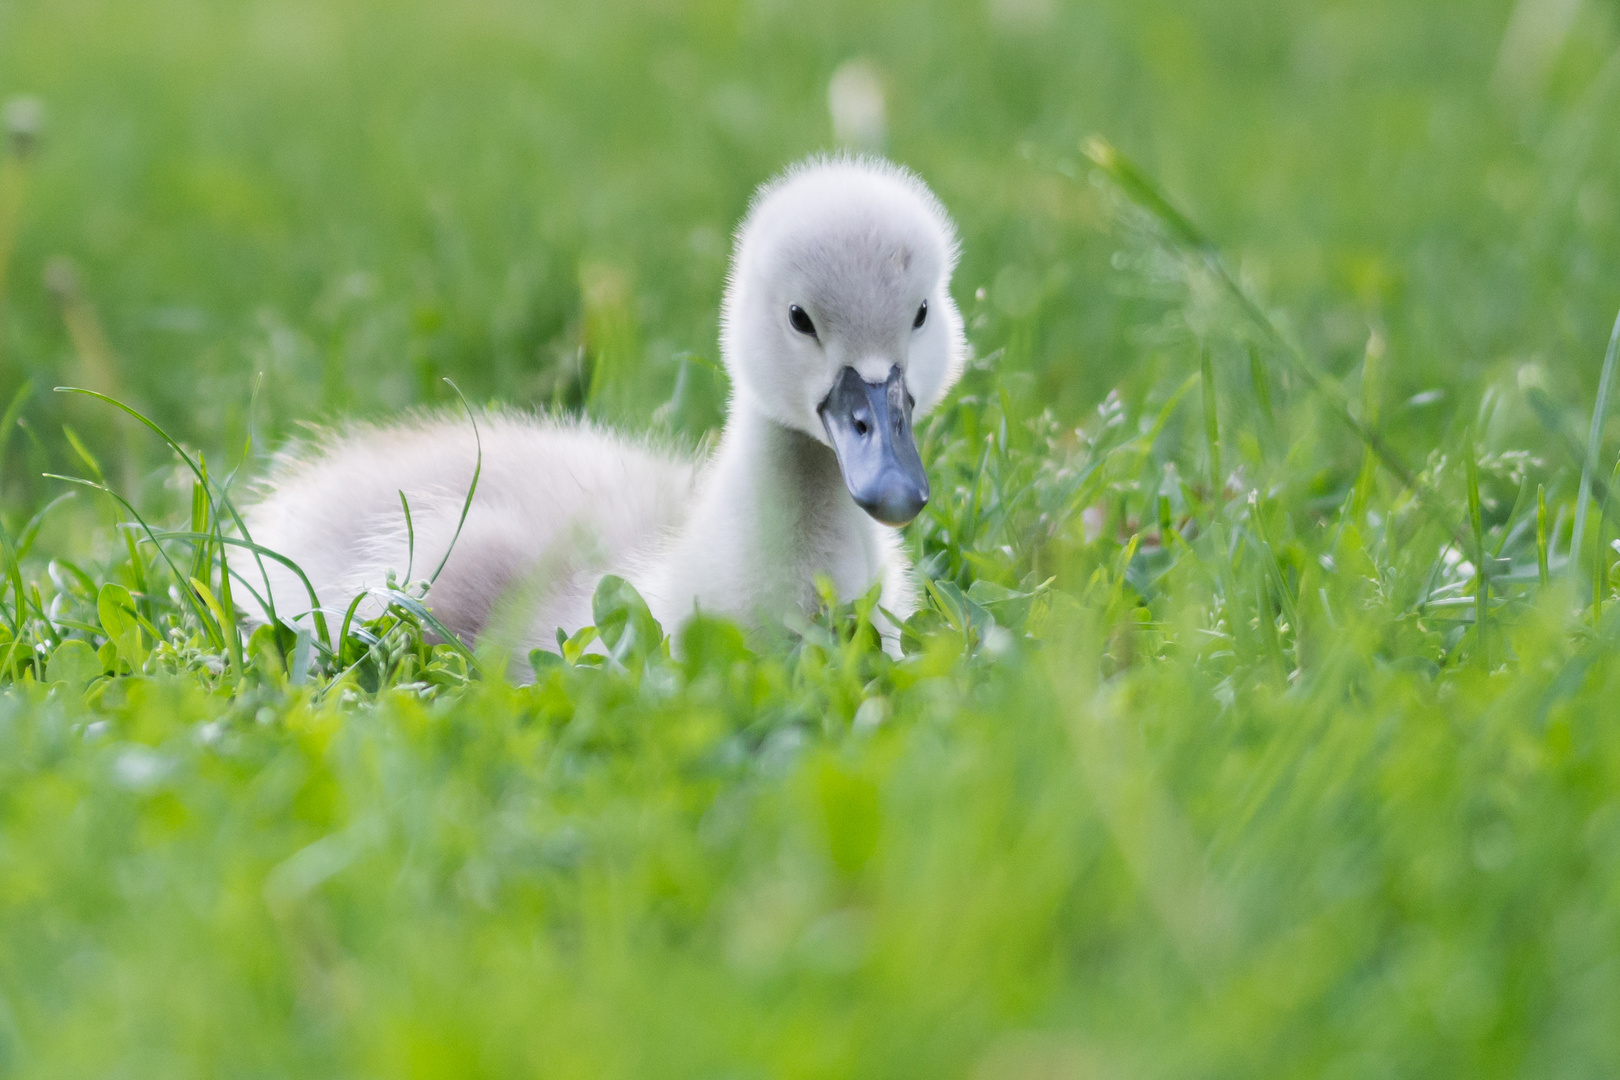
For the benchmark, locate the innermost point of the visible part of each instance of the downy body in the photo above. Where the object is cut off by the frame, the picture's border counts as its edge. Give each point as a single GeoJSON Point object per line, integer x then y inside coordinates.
{"type": "Point", "coordinates": [837, 326]}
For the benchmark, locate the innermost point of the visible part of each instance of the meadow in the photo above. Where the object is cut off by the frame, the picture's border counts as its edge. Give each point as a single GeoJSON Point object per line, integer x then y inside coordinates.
{"type": "Point", "coordinates": [1258, 721]}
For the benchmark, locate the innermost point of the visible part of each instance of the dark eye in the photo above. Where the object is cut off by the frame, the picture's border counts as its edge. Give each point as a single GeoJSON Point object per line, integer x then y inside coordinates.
{"type": "Point", "coordinates": [922, 313]}
{"type": "Point", "coordinates": [801, 322]}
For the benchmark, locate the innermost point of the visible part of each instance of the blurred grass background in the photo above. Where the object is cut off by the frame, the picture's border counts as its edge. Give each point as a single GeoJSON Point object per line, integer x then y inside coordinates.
{"type": "Point", "coordinates": [1176, 833]}
{"type": "Point", "coordinates": [355, 199]}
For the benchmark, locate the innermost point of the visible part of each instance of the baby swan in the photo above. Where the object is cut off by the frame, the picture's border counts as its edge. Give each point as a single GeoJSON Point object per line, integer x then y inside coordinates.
{"type": "Point", "coordinates": [837, 328]}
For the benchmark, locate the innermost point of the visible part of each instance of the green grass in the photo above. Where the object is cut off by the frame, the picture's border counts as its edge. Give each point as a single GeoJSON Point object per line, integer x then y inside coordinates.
{"type": "Point", "coordinates": [1258, 723]}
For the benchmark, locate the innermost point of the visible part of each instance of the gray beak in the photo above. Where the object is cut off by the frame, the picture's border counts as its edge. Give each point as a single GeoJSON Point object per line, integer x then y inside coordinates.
{"type": "Point", "coordinates": [870, 428]}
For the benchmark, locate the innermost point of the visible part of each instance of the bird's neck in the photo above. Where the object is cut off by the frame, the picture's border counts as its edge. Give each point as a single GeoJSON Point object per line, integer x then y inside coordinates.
{"type": "Point", "coordinates": [792, 481]}
{"type": "Point", "coordinates": [773, 515]}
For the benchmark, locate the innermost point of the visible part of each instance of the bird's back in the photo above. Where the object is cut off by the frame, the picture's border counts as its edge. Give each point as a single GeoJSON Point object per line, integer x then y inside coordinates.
{"type": "Point", "coordinates": [557, 503]}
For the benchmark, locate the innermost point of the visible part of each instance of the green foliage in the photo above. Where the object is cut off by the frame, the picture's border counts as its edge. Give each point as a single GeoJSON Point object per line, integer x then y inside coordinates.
{"type": "Point", "coordinates": [1255, 718]}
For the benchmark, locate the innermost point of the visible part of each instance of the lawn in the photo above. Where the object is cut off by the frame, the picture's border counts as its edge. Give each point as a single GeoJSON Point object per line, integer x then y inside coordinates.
{"type": "Point", "coordinates": [1260, 721]}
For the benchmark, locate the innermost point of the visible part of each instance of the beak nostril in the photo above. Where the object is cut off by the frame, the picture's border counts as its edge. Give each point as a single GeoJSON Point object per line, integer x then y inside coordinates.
{"type": "Point", "coordinates": [869, 427]}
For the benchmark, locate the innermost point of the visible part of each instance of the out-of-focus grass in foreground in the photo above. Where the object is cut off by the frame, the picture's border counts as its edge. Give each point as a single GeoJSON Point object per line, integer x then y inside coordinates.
{"type": "Point", "coordinates": [1258, 722]}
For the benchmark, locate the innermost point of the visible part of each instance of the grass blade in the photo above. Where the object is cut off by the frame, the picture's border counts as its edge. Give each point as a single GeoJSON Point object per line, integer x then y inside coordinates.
{"type": "Point", "coordinates": [415, 607]}
{"type": "Point", "coordinates": [1262, 396]}
{"type": "Point", "coordinates": [348, 620]}
{"type": "Point", "coordinates": [13, 411]}
{"type": "Point", "coordinates": [1541, 535]}
{"type": "Point", "coordinates": [1600, 562]}
{"type": "Point", "coordinates": [316, 611]}
{"type": "Point", "coordinates": [1372, 370]}
{"type": "Point", "coordinates": [25, 542]}
{"type": "Point", "coordinates": [1212, 428]}
{"type": "Point", "coordinates": [410, 536]}
{"type": "Point", "coordinates": [1594, 441]}
{"type": "Point", "coordinates": [214, 633]}
{"type": "Point", "coordinates": [196, 470]}
{"type": "Point", "coordinates": [478, 468]}
{"type": "Point", "coordinates": [1482, 579]}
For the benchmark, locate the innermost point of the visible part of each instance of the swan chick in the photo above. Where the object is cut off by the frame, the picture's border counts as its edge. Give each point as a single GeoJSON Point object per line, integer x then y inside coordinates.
{"type": "Point", "coordinates": [837, 331]}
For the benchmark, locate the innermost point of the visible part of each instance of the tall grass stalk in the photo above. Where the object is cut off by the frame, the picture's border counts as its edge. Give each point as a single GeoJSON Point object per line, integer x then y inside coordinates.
{"type": "Point", "coordinates": [1372, 370]}
{"type": "Point", "coordinates": [1543, 575]}
{"type": "Point", "coordinates": [1600, 560]}
{"type": "Point", "coordinates": [220, 504]}
{"type": "Point", "coordinates": [472, 486]}
{"type": "Point", "coordinates": [1482, 557]}
{"type": "Point", "coordinates": [1260, 379]}
{"type": "Point", "coordinates": [1594, 443]}
{"type": "Point", "coordinates": [1212, 428]}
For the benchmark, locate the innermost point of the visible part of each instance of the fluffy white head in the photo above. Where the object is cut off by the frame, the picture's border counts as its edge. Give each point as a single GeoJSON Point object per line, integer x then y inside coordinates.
{"type": "Point", "coordinates": [860, 247]}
